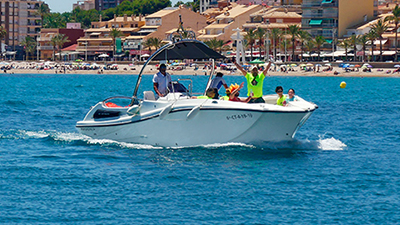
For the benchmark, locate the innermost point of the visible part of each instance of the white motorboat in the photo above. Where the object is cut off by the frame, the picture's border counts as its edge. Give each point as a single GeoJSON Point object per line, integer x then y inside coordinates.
{"type": "Point", "coordinates": [179, 120]}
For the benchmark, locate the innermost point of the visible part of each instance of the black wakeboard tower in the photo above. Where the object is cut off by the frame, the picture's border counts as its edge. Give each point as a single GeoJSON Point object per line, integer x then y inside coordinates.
{"type": "Point", "coordinates": [182, 45]}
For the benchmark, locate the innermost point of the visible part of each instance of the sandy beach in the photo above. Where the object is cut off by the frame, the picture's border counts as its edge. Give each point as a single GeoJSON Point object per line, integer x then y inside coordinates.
{"type": "Point", "coordinates": [31, 68]}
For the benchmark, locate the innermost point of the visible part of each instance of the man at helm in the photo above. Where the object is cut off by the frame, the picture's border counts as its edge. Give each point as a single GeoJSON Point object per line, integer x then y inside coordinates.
{"type": "Point", "coordinates": [161, 80]}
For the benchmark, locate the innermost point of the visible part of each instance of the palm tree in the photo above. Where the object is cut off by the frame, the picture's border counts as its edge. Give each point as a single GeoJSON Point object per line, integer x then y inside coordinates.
{"type": "Point", "coordinates": [220, 45]}
{"type": "Point", "coordinates": [353, 42]}
{"type": "Point", "coordinates": [285, 44]}
{"type": "Point", "coordinates": [213, 44]}
{"type": "Point", "coordinates": [53, 42]}
{"type": "Point", "coordinates": [250, 37]}
{"type": "Point", "coordinates": [363, 39]}
{"type": "Point", "coordinates": [148, 44]}
{"type": "Point", "coordinates": [319, 41]}
{"type": "Point", "coordinates": [310, 46]}
{"type": "Point", "coordinates": [303, 36]}
{"type": "Point", "coordinates": [380, 28]}
{"type": "Point", "coordinates": [294, 32]}
{"type": "Point", "coordinates": [395, 18]}
{"type": "Point", "coordinates": [345, 44]}
{"type": "Point", "coordinates": [371, 36]}
{"type": "Point", "coordinates": [259, 35]}
{"type": "Point", "coordinates": [59, 40]}
{"type": "Point", "coordinates": [43, 11]}
{"type": "Point", "coordinates": [114, 33]}
{"type": "Point", "coordinates": [3, 34]}
{"type": "Point", "coordinates": [30, 45]}
{"type": "Point", "coordinates": [157, 42]}
{"type": "Point", "coordinates": [275, 35]}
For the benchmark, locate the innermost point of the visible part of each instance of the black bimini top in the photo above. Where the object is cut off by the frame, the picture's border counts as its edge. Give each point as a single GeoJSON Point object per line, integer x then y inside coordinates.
{"type": "Point", "coordinates": [187, 49]}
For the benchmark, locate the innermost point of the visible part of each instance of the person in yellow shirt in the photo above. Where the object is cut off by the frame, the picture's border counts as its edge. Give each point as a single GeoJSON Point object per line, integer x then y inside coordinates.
{"type": "Point", "coordinates": [255, 82]}
{"type": "Point", "coordinates": [282, 98]}
{"type": "Point", "coordinates": [211, 93]}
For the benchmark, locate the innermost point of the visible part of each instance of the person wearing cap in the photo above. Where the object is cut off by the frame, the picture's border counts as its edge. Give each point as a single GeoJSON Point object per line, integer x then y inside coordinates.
{"type": "Point", "coordinates": [255, 82]}
{"type": "Point", "coordinates": [218, 81]}
{"type": "Point", "coordinates": [161, 80]}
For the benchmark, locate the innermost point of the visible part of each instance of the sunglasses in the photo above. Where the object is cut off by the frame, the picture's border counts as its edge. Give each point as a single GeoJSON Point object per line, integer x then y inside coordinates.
{"type": "Point", "coordinates": [279, 91]}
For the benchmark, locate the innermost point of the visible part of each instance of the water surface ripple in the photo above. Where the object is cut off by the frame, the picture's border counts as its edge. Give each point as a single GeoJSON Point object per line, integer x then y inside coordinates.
{"type": "Point", "coordinates": [342, 168]}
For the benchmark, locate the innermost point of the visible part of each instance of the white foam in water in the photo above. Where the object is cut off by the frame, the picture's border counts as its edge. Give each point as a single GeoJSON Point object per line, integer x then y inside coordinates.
{"type": "Point", "coordinates": [77, 136]}
{"type": "Point", "coordinates": [122, 144]}
{"type": "Point", "coordinates": [59, 136]}
{"type": "Point", "coordinates": [35, 134]}
{"type": "Point", "coordinates": [323, 143]}
{"type": "Point", "coordinates": [71, 137]}
{"type": "Point", "coordinates": [331, 144]}
{"type": "Point", "coordinates": [218, 145]}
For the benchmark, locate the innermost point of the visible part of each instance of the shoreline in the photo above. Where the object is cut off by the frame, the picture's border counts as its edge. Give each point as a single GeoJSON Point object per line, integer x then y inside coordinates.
{"type": "Point", "coordinates": [150, 70]}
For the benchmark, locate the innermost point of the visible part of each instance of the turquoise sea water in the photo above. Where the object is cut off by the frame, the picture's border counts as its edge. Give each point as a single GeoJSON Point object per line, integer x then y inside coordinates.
{"type": "Point", "coordinates": [342, 168]}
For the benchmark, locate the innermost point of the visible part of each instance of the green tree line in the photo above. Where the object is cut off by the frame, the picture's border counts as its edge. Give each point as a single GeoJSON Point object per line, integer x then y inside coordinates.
{"type": "Point", "coordinates": [85, 17]}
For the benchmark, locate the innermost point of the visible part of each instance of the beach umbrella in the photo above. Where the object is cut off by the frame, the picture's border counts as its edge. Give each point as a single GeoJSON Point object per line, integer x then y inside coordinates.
{"type": "Point", "coordinates": [302, 65]}
{"type": "Point", "coordinates": [328, 64]}
{"type": "Point", "coordinates": [318, 65]}
{"type": "Point", "coordinates": [257, 61]}
{"type": "Point", "coordinates": [351, 65]}
{"type": "Point", "coordinates": [396, 66]}
{"type": "Point", "coordinates": [310, 64]}
{"type": "Point", "coordinates": [357, 66]}
{"type": "Point", "coordinates": [78, 60]}
{"type": "Point", "coordinates": [346, 66]}
{"type": "Point", "coordinates": [294, 65]}
{"type": "Point", "coordinates": [369, 66]}
{"type": "Point", "coordinates": [282, 66]}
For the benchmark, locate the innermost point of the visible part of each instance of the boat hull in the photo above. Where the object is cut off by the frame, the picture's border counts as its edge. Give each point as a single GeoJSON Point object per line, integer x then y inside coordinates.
{"type": "Point", "coordinates": [186, 126]}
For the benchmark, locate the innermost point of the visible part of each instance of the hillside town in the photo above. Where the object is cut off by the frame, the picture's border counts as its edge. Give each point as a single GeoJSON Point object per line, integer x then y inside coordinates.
{"type": "Point", "coordinates": [285, 31]}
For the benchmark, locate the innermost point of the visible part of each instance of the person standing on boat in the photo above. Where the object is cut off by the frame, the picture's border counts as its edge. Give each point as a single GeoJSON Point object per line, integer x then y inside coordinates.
{"type": "Point", "coordinates": [218, 82]}
{"type": "Point", "coordinates": [255, 82]}
{"type": "Point", "coordinates": [161, 80]}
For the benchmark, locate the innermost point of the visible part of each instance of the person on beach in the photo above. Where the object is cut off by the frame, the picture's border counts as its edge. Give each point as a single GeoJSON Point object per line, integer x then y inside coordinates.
{"type": "Point", "coordinates": [218, 82]}
{"type": "Point", "coordinates": [161, 80]}
{"type": "Point", "coordinates": [291, 96]}
{"type": "Point", "coordinates": [255, 82]}
{"type": "Point", "coordinates": [282, 99]}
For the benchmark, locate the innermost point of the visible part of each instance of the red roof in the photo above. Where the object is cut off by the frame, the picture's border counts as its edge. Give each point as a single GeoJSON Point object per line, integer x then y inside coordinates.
{"type": "Point", "coordinates": [70, 48]}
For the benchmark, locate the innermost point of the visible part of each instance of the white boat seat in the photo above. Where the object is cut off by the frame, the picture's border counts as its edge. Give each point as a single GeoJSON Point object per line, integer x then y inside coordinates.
{"type": "Point", "coordinates": [149, 95]}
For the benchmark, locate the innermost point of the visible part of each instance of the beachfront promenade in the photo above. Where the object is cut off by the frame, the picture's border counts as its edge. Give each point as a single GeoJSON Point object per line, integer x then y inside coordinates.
{"type": "Point", "coordinates": [378, 69]}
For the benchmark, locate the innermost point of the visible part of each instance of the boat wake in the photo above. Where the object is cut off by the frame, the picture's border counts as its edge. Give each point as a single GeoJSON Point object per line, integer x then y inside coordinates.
{"type": "Point", "coordinates": [70, 138]}
{"type": "Point", "coordinates": [323, 143]}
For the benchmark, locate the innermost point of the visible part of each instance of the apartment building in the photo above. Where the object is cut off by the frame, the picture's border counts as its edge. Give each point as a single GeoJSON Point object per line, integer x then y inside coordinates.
{"type": "Point", "coordinates": [20, 18]}
{"type": "Point", "coordinates": [160, 24]}
{"type": "Point", "coordinates": [45, 46]}
{"type": "Point", "coordinates": [106, 4]}
{"type": "Point", "coordinates": [97, 39]}
{"type": "Point", "coordinates": [222, 28]}
{"type": "Point", "coordinates": [331, 18]}
{"type": "Point", "coordinates": [279, 18]}
{"type": "Point", "coordinates": [84, 5]}
{"type": "Point", "coordinates": [292, 2]}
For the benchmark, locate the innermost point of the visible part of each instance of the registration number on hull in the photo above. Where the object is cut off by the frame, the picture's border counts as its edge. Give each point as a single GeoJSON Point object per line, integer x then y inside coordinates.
{"type": "Point", "coordinates": [239, 116]}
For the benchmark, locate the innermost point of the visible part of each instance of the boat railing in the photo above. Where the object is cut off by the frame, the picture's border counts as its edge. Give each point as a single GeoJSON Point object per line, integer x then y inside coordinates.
{"type": "Point", "coordinates": [189, 89]}
{"type": "Point", "coordinates": [132, 100]}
